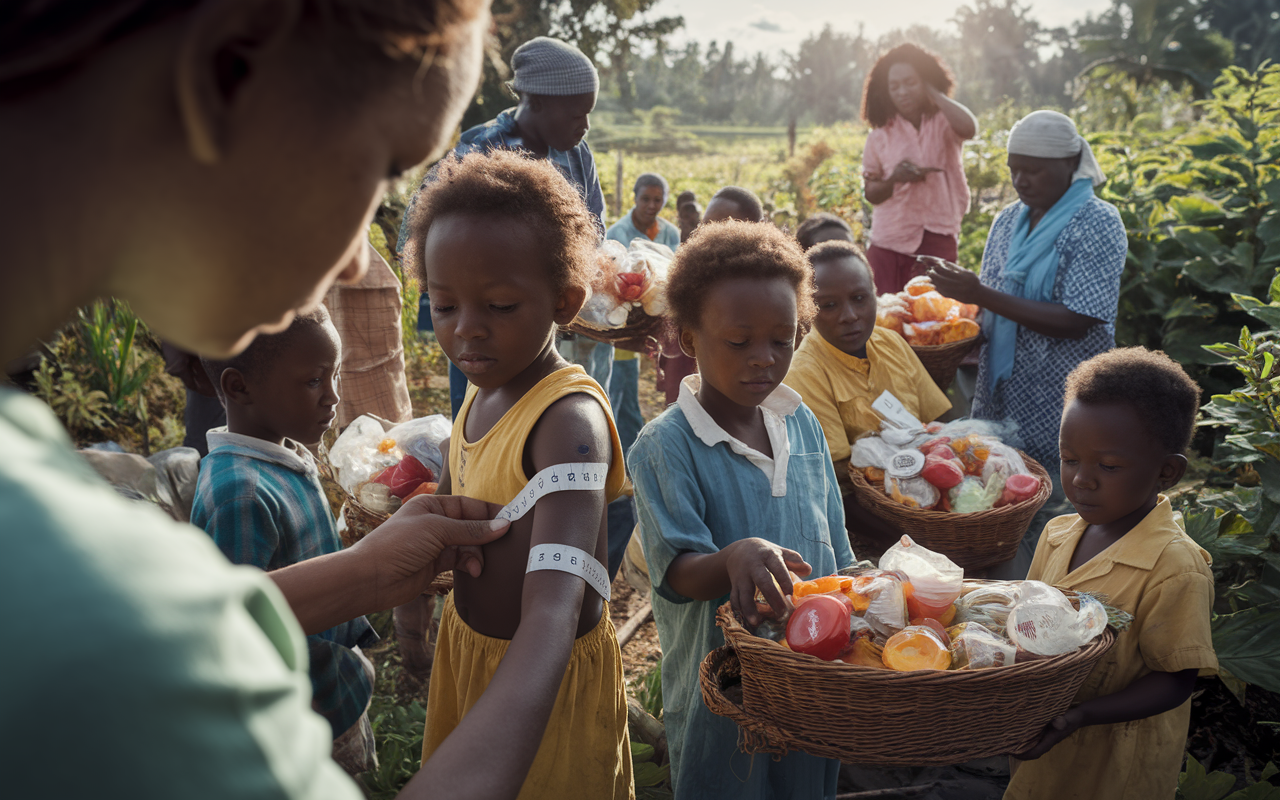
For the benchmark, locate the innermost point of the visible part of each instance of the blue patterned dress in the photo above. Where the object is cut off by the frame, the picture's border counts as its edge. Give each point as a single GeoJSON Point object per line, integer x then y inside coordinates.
{"type": "Point", "coordinates": [1092, 250]}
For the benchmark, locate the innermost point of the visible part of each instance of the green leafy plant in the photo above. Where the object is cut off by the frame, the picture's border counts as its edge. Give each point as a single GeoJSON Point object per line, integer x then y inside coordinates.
{"type": "Point", "coordinates": [1240, 527]}
{"type": "Point", "coordinates": [1201, 214]}
{"type": "Point", "coordinates": [78, 407]}
{"type": "Point", "coordinates": [1196, 784]}
{"type": "Point", "coordinates": [648, 690]}
{"type": "Point", "coordinates": [398, 731]}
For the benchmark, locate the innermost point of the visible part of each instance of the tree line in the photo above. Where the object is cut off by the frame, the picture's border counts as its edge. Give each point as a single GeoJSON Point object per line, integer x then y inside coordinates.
{"type": "Point", "coordinates": [996, 49]}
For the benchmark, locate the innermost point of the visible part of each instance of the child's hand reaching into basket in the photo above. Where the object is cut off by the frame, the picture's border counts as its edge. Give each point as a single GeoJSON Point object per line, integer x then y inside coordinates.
{"type": "Point", "coordinates": [739, 570]}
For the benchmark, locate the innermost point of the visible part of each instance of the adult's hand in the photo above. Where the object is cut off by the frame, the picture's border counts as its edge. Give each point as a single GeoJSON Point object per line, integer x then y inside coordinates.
{"type": "Point", "coordinates": [908, 172]}
{"type": "Point", "coordinates": [428, 535]}
{"type": "Point", "coordinates": [393, 564]}
{"type": "Point", "coordinates": [1047, 319]}
{"type": "Point", "coordinates": [953, 280]}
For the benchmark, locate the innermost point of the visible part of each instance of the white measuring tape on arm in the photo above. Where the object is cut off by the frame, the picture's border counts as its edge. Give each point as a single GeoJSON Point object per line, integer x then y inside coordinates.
{"type": "Point", "coordinates": [562, 557]}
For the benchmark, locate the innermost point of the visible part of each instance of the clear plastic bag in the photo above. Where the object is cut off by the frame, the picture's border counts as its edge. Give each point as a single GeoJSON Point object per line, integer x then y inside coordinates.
{"type": "Point", "coordinates": [971, 495]}
{"type": "Point", "coordinates": [936, 580]}
{"type": "Point", "coordinates": [1045, 623]}
{"type": "Point", "coordinates": [1004, 460]}
{"type": "Point", "coordinates": [880, 598]}
{"type": "Point", "coordinates": [988, 605]}
{"type": "Point", "coordinates": [871, 451]}
{"type": "Point", "coordinates": [912, 492]}
{"type": "Point", "coordinates": [975, 647]}
{"type": "Point", "coordinates": [356, 454]}
{"type": "Point", "coordinates": [422, 437]}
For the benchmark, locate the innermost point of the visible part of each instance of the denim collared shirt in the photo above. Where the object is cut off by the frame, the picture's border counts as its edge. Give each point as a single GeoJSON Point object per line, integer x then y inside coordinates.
{"type": "Point", "coordinates": [263, 506]}
{"type": "Point", "coordinates": [699, 490]}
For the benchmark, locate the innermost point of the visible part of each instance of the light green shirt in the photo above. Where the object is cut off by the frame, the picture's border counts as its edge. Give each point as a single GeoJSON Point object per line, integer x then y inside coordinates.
{"type": "Point", "coordinates": [138, 662]}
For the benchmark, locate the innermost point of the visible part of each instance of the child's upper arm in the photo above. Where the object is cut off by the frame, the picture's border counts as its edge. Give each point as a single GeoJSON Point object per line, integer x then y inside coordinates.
{"type": "Point", "coordinates": [573, 430]}
{"type": "Point", "coordinates": [670, 507]}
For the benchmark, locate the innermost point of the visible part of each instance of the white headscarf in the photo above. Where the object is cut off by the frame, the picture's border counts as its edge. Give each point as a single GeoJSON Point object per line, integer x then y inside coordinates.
{"type": "Point", "coordinates": [1048, 134]}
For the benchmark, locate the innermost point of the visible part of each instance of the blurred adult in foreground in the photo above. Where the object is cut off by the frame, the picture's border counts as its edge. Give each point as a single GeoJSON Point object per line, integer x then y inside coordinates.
{"type": "Point", "coordinates": [1050, 285]}
{"type": "Point", "coordinates": [912, 168]}
{"type": "Point", "coordinates": [249, 143]}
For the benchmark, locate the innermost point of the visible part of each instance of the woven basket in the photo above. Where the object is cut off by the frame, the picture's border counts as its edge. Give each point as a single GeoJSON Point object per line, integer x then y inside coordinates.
{"type": "Point", "coordinates": [973, 541]}
{"type": "Point", "coordinates": [642, 333]}
{"type": "Point", "coordinates": [942, 360]}
{"type": "Point", "coordinates": [864, 715]}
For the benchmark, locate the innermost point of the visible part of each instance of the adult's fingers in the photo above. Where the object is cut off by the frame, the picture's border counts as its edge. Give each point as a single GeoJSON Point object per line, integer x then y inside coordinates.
{"type": "Point", "coordinates": [466, 532]}
{"type": "Point", "coordinates": [452, 506]}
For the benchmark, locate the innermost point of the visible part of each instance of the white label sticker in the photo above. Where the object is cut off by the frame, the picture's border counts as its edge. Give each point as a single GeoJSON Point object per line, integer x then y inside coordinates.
{"type": "Point", "coordinates": [572, 560]}
{"type": "Point", "coordinates": [891, 408]}
{"type": "Point", "coordinates": [905, 464]}
{"type": "Point", "coordinates": [559, 478]}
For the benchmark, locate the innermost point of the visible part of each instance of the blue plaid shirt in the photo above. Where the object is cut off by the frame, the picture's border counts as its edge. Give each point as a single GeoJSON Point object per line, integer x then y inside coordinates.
{"type": "Point", "coordinates": [263, 506]}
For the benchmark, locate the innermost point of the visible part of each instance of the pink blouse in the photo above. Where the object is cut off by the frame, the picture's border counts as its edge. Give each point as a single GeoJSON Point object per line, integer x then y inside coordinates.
{"type": "Point", "coordinates": [937, 203]}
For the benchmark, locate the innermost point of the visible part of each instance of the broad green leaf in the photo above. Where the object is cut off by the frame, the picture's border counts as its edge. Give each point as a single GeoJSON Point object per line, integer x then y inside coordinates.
{"type": "Point", "coordinates": [648, 773]}
{"type": "Point", "coordinates": [641, 751]}
{"type": "Point", "coordinates": [1187, 306]}
{"type": "Point", "coordinates": [1195, 784]}
{"type": "Point", "coordinates": [1248, 645]}
{"type": "Point", "coordinates": [1195, 209]}
{"type": "Point", "coordinates": [1262, 790]}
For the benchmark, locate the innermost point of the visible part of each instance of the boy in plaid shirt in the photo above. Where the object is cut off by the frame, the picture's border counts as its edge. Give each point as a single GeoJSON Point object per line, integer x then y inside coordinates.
{"type": "Point", "coordinates": [259, 497]}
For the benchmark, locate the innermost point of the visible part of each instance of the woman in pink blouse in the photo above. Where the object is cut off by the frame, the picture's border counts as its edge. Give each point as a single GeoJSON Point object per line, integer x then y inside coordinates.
{"type": "Point", "coordinates": [911, 167]}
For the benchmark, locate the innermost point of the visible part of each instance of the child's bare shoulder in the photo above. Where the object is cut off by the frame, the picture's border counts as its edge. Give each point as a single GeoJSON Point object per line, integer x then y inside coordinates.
{"type": "Point", "coordinates": [567, 426]}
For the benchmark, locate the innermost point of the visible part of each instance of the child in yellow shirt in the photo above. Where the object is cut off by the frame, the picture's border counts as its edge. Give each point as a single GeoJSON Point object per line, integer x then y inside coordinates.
{"type": "Point", "coordinates": [1128, 419]}
{"type": "Point", "coordinates": [507, 246]}
{"type": "Point", "coordinates": [846, 362]}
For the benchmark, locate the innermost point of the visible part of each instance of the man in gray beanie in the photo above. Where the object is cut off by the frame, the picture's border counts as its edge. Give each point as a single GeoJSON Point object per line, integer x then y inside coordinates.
{"type": "Point", "coordinates": [556, 86]}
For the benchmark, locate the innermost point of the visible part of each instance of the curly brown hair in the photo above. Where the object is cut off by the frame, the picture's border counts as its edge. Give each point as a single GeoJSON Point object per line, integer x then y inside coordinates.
{"type": "Point", "coordinates": [1150, 382]}
{"type": "Point", "coordinates": [877, 106]}
{"type": "Point", "coordinates": [503, 185]}
{"type": "Point", "coordinates": [731, 249]}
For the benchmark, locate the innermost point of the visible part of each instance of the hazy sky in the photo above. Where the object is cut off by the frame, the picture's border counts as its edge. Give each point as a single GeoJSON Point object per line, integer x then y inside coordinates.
{"type": "Point", "coordinates": [773, 25]}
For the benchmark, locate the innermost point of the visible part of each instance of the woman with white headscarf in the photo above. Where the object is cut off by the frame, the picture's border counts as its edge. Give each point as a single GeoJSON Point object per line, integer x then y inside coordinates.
{"type": "Point", "coordinates": [1050, 282]}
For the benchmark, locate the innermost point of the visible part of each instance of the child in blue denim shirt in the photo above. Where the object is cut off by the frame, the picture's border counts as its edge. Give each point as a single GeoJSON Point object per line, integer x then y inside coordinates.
{"type": "Point", "coordinates": [734, 486]}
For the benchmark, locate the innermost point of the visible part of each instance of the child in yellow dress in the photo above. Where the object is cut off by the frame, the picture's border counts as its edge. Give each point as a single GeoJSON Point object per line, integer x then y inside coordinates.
{"type": "Point", "coordinates": [1128, 419]}
{"type": "Point", "coordinates": [507, 246]}
{"type": "Point", "coordinates": [846, 362]}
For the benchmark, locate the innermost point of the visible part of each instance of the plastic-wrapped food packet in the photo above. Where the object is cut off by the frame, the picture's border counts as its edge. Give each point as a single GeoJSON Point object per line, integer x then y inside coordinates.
{"type": "Point", "coordinates": [356, 454]}
{"type": "Point", "coordinates": [1045, 623]}
{"type": "Point", "coordinates": [422, 437]}
{"type": "Point", "coordinates": [884, 599]}
{"type": "Point", "coordinates": [975, 647]}
{"type": "Point", "coordinates": [971, 495]}
{"type": "Point", "coordinates": [988, 605]}
{"type": "Point", "coordinates": [912, 492]}
{"type": "Point", "coordinates": [936, 580]}
{"type": "Point", "coordinates": [871, 451]}
{"type": "Point", "coordinates": [917, 647]}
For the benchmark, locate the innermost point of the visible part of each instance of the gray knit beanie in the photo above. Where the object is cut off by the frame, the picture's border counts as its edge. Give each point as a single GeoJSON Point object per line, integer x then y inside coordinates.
{"type": "Point", "coordinates": [551, 67]}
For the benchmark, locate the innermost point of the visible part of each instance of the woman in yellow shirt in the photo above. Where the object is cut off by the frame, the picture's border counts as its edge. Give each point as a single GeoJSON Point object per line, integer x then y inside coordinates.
{"type": "Point", "coordinates": [846, 362]}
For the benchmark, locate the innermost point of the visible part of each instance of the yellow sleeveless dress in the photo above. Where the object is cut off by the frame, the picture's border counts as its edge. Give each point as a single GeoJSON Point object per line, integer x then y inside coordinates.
{"type": "Point", "coordinates": [585, 751]}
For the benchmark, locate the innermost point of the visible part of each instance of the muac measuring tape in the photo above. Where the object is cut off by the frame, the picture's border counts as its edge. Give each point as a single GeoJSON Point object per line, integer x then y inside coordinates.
{"type": "Point", "coordinates": [562, 557]}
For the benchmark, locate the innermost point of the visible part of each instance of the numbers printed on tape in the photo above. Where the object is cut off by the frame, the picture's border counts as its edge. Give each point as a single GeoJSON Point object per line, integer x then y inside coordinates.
{"type": "Point", "coordinates": [558, 478]}
{"type": "Point", "coordinates": [572, 560]}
